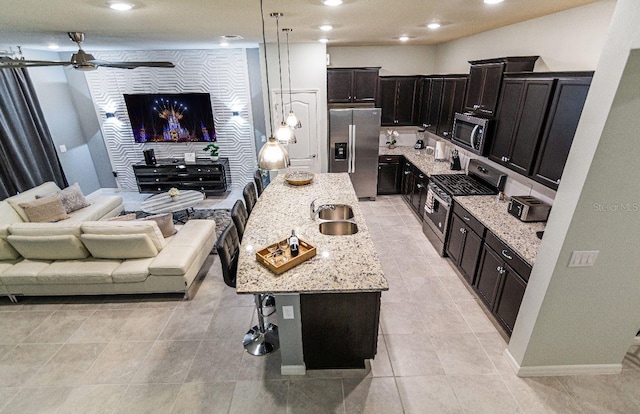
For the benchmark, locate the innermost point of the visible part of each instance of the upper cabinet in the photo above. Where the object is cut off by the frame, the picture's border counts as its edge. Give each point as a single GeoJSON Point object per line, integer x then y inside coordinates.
{"type": "Point", "coordinates": [562, 122]}
{"type": "Point", "coordinates": [398, 100]}
{"type": "Point", "coordinates": [440, 98]}
{"type": "Point", "coordinates": [352, 85]}
{"type": "Point", "coordinates": [537, 119]}
{"type": "Point", "coordinates": [485, 77]}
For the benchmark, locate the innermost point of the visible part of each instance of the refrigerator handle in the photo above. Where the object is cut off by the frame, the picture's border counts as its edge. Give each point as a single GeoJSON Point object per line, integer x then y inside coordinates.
{"type": "Point", "coordinates": [353, 150]}
{"type": "Point", "coordinates": [350, 149]}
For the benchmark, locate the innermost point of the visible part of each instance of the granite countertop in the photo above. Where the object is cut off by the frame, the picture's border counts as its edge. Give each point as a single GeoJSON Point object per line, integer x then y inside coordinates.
{"type": "Point", "coordinates": [425, 162]}
{"type": "Point", "coordinates": [342, 263]}
{"type": "Point", "coordinates": [518, 235]}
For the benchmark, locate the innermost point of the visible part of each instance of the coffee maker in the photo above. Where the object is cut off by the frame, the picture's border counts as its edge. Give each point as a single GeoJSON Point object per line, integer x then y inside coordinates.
{"type": "Point", "coordinates": [419, 139]}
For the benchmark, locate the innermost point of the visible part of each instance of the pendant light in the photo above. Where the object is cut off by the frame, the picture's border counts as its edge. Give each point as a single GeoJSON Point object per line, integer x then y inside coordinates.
{"type": "Point", "coordinates": [284, 134]}
{"type": "Point", "coordinates": [292, 119]}
{"type": "Point", "coordinates": [272, 156]}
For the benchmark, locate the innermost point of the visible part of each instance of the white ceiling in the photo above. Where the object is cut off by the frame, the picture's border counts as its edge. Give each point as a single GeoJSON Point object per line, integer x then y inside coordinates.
{"type": "Point", "coordinates": [195, 24]}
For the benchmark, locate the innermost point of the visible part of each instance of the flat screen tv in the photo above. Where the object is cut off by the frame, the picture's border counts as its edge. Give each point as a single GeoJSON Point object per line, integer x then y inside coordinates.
{"type": "Point", "coordinates": [167, 117]}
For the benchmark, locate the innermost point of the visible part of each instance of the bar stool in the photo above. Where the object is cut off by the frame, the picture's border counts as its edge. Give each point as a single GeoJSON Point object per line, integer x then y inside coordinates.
{"type": "Point", "coordinates": [228, 247]}
{"type": "Point", "coordinates": [239, 216]}
{"type": "Point", "coordinates": [257, 177]}
{"type": "Point", "coordinates": [250, 196]}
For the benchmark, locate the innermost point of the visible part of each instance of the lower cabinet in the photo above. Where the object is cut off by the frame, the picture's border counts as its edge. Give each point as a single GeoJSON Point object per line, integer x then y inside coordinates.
{"type": "Point", "coordinates": [501, 281]}
{"type": "Point", "coordinates": [389, 174]}
{"type": "Point", "coordinates": [465, 242]}
{"type": "Point", "coordinates": [406, 181]}
{"type": "Point", "coordinates": [419, 192]}
{"type": "Point", "coordinates": [339, 330]}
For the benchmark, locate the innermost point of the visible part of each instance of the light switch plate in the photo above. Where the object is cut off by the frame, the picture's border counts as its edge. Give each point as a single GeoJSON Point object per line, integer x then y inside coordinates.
{"type": "Point", "coordinates": [63, 148]}
{"type": "Point", "coordinates": [287, 312]}
{"type": "Point", "coordinates": [584, 258]}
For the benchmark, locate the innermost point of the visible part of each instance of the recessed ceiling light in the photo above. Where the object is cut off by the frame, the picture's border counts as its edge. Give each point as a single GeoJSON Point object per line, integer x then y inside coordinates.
{"type": "Point", "coordinates": [433, 26]}
{"type": "Point", "coordinates": [326, 27]}
{"type": "Point", "coordinates": [323, 40]}
{"type": "Point", "coordinates": [332, 2]}
{"type": "Point", "coordinates": [120, 6]}
{"type": "Point", "coordinates": [53, 46]}
{"type": "Point", "coordinates": [493, 1]}
{"type": "Point", "coordinates": [403, 38]}
{"type": "Point", "coordinates": [232, 37]}
{"type": "Point", "coordinates": [224, 43]}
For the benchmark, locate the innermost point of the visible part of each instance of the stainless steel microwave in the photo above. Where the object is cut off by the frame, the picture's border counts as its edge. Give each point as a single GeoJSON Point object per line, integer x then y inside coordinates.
{"type": "Point", "coordinates": [472, 133]}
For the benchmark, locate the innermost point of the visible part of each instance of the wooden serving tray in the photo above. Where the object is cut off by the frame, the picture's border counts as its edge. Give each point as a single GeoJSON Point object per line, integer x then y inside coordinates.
{"type": "Point", "coordinates": [305, 252]}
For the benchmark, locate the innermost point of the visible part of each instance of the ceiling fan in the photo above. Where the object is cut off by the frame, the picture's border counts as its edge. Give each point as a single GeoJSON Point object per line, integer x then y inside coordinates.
{"type": "Point", "coordinates": [81, 60]}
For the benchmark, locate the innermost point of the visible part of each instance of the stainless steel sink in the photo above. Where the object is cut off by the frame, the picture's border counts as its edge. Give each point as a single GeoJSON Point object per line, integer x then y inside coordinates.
{"type": "Point", "coordinates": [338, 228]}
{"type": "Point", "coordinates": [340, 212]}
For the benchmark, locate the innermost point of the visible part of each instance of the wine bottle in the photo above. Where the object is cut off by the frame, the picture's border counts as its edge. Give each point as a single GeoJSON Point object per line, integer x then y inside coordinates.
{"type": "Point", "coordinates": [293, 244]}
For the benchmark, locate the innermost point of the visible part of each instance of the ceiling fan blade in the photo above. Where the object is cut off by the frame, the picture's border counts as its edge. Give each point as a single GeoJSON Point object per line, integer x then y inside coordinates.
{"type": "Point", "coordinates": [29, 63]}
{"type": "Point", "coordinates": [132, 65]}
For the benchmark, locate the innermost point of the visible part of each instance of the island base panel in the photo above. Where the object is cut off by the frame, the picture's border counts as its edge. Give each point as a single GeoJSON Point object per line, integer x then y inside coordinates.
{"type": "Point", "coordinates": [339, 330]}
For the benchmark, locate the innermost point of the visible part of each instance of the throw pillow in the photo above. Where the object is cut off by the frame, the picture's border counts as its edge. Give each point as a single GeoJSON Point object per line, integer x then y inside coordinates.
{"type": "Point", "coordinates": [126, 217]}
{"type": "Point", "coordinates": [73, 199]}
{"type": "Point", "coordinates": [44, 209]}
{"type": "Point", "coordinates": [165, 222]}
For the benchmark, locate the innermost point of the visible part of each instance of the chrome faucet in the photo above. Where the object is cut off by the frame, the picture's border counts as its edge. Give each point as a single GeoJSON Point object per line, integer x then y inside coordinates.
{"type": "Point", "coordinates": [313, 211]}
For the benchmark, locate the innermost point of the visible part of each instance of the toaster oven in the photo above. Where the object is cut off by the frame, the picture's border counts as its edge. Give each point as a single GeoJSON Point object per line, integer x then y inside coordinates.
{"type": "Point", "coordinates": [529, 208]}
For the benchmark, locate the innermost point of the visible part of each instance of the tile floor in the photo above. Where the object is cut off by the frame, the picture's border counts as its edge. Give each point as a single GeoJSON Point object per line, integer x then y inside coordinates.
{"type": "Point", "coordinates": [437, 351]}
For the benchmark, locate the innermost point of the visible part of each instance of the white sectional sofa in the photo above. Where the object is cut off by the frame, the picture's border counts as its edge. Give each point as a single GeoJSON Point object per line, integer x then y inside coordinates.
{"type": "Point", "coordinates": [84, 256]}
{"type": "Point", "coordinates": [102, 257]}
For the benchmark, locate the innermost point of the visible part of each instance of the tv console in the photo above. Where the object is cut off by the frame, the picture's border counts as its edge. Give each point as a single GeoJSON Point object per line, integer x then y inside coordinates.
{"type": "Point", "coordinates": [209, 177]}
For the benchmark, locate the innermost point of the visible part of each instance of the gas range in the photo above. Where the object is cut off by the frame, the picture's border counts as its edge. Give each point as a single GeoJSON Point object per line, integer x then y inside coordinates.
{"type": "Point", "coordinates": [481, 179]}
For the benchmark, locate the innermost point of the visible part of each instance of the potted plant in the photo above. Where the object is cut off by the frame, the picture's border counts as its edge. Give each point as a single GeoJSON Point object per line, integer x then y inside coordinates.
{"type": "Point", "coordinates": [391, 138]}
{"type": "Point", "coordinates": [213, 150]}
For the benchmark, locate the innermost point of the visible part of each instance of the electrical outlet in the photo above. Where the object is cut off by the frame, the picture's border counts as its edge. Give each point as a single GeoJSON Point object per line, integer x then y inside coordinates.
{"type": "Point", "coordinates": [287, 312]}
{"type": "Point", "coordinates": [586, 258]}
{"type": "Point", "coordinates": [63, 148]}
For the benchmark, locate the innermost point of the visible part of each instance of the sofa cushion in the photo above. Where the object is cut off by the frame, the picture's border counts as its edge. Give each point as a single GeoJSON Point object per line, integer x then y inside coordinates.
{"type": "Point", "coordinates": [24, 272]}
{"type": "Point", "coordinates": [45, 209]}
{"type": "Point", "coordinates": [78, 271]}
{"type": "Point", "coordinates": [7, 252]}
{"type": "Point", "coordinates": [72, 198]}
{"type": "Point", "coordinates": [132, 270]}
{"type": "Point", "coordinates": [4, 267]}
{"type": "Point", "coordinates": [30, 195]}
{"type": "Point", "coordinates": [119, 246]}
{"type": "Point", "coordinates": [126, 217]}
{"type": "Point", "coordinates": [185, 246]}
{"type": "Point", "coordinates": [165, 223]}
{"type": "Point", "coordinates": [149, 228]}
{"type": "Point", "coordinates": [8, 215]}
{"type": "Point", "coordinates": [100, 206]}
{"type": "Point", "coordinates": [47, 241]}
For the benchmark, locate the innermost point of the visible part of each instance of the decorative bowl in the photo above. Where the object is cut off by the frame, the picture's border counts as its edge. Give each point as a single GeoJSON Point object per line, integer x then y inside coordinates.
{"type": "Point", "coordinates": [299, 177]}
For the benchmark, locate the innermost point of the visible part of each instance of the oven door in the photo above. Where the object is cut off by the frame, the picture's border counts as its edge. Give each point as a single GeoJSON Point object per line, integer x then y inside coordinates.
{"type": "Point", "coordinates": [436, 218]}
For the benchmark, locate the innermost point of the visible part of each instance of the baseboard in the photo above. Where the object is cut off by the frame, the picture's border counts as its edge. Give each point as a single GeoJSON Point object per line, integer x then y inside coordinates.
{"type": "Point", "coordinates": [561, 370]}
{"type": "Point", "coordinates": [293, 370]}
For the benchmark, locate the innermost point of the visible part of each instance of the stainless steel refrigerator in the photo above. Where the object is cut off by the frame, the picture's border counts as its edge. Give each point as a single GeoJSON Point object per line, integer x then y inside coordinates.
{"type": "Point", "coordinates": [354, 138]}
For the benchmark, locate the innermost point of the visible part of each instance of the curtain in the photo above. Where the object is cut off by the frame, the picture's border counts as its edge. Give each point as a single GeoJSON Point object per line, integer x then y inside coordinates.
{"type": "Point", "coordinates": [27, 152]}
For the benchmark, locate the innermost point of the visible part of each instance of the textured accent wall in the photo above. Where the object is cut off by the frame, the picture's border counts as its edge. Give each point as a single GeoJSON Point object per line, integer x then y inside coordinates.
{"type": "Point", "coordinates": [223, 73]}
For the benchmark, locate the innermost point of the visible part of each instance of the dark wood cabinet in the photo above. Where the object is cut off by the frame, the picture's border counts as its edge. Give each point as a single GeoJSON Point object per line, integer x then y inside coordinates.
{"type": "Point", "coordinates": [562, 122]}
{"type": "Point", "coordinates": [398, 100]}
{"type": "Point", "coordinates": [523, 108]}
{"type": "Point", "coordinates": [501, 281]}
{"type": "Point", "coordinates": [339, 330]}
{"type": "Point", "coordinates": [209, 177]}
{"type": "Point", "coordinates": [407, 178]}
{"type": "Point", "coordinates": [352, 85]}
{"type": "Point", "coordinates": [485, 78]}
{"type": "Point", "coordinates": [452, 99]}
{"type": "Point", "coordinates": [465, 241]}
{"type": "Point", "coordinates": [433, 102]}
{"type": "Point", "coordinates": [419, 193]}
{"type": "Point", "coordinates": [389, 174]}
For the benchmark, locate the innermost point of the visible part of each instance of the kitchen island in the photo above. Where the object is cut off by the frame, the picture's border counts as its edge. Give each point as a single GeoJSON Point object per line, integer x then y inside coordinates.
{"type": "Point", "coordinates": [332, 300]}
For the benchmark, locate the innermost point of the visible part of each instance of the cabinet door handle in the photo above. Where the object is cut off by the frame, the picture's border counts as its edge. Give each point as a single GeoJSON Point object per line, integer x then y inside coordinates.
{"type": "Point", "coordinates": [406, 173]}
{"type": "Point", "coordinates": [465, 218]}
{"type": "Point", "coordinates": [506, 254]}
{"type": "Point", "coordinates": [421, 175]}
{"type": "Point", "coordinates": [500, 270]}
{"type": "Point", "coordinates": [445, 133]}
{"type": "Point", "coordinates": [419, 185]}
{"type": "Point", "coordinates": [463, 230]}
{"type": "Point", "coordinates": [476, 106]}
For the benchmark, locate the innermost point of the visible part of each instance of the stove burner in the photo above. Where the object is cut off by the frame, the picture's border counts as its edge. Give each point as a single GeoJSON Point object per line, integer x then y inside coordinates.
{"type": "Point", "coordinates": [460, 185]}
